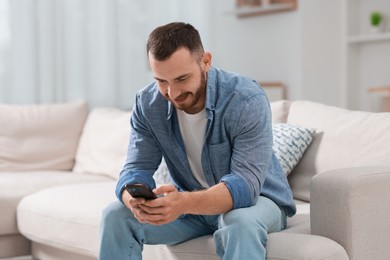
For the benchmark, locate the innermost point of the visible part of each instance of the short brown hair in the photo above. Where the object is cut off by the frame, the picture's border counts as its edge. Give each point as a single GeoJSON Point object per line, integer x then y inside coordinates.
{"type": "Point", "coordinates": [165, 40]}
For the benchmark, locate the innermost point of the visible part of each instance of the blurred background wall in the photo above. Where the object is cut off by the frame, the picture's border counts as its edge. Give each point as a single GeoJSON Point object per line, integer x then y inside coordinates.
{"type": "Point", "coordinates": [53, 51]}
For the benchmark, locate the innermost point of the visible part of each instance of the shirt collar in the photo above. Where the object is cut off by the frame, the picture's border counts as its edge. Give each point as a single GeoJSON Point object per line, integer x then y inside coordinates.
{"type": "Point", "coordinates": [210, 89]}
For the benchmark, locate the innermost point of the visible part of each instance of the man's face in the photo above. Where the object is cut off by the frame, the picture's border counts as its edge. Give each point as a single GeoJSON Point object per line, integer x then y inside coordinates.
{"type": "Point", "coordinates": [182, 78]}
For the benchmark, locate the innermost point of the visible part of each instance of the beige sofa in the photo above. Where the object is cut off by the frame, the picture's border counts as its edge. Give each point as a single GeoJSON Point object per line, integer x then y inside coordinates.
{"type": "Point", "coordinates": [58, 165]}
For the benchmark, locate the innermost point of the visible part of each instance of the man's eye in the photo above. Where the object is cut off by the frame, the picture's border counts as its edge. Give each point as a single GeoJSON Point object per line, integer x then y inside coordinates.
{"type": "Point", "coordinates": [181, 79]}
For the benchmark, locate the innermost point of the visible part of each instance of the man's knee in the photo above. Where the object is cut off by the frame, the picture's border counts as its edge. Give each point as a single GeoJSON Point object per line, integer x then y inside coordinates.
{"type": "Point", "coordinates": [114, 212]}
{"type": "Point", "coordinates": [237, 218]}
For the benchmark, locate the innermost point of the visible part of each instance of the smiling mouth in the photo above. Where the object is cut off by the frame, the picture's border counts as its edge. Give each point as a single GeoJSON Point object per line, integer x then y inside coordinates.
{"type": "Point", "coordinates": [181, 98]}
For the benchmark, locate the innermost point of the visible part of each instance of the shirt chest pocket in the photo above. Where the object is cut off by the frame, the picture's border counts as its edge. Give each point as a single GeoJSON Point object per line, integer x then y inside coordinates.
{"type": "Point", "coordinates": [220, 157]}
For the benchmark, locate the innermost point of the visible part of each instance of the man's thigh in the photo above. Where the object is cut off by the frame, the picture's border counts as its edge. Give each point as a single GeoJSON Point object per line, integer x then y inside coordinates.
{"type": "Point", "coordinates": [264, 214]}
{"type": "Point", "coordinates": [182, 229]}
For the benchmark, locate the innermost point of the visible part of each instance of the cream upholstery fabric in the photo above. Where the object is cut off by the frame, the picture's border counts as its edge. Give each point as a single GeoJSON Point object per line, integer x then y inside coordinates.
{"type": "Point", "coordinates": [66, 217]}
{"type": "Point", "coordinates": [280, 111]}
{"type": "Point", "coordinates": [45, 252]}
{"type": "Point", "coordinates": [280, 246]}
{"type": "Point", "coordinates": [352, 206]}
{"type": "Point", "coordinates": [103, 144]}
{"type": "Point", "coordinates": [15, 185]}
{"type": "Point", "coordinates": [343, 138]}
{"type": "Point", "coordinates": [40, 137]}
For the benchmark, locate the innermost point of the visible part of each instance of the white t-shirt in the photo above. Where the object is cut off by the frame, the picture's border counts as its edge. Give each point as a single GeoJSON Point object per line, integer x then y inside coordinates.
{"type": "Point", "coordinates": [193, 130]}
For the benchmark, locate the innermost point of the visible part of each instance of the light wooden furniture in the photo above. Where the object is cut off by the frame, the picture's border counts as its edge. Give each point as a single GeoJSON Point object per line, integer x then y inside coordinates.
{"type": "Point", "coordinates": [384, 95]}
{"type": "Point", "coordinates": [275, 90]}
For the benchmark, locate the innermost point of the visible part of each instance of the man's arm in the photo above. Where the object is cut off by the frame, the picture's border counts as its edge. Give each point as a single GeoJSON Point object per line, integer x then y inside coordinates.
{"type": "Point", "coordinates": [213, 201]}
{"type": "Point", "coordinates": [143, 153]}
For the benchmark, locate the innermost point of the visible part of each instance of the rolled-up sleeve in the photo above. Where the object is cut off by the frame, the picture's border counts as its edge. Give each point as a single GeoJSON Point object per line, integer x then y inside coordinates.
{"type": "Point", "coordinates": [251, 153]}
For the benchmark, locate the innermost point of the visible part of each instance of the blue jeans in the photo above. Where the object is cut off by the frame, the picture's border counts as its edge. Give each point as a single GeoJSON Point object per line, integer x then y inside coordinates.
{"type": "Point", "coordinates": [238, 234]}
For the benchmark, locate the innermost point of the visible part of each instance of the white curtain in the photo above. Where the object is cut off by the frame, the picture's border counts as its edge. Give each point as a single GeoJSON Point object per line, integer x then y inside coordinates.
{"type": "Point", "coordinates": [60, 50]}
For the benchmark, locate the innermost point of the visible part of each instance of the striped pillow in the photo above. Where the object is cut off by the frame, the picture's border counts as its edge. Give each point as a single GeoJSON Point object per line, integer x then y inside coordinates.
{"type": "Point", "coordinates": [290, 143]}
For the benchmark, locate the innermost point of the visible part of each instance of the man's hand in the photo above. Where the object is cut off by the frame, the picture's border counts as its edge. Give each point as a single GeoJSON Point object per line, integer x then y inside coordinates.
{"type": "Point", "coordinates": [167, 208]}
{"type": "Point", "coordinates": [133, 204]}
{"type": "Point", "coordinates": [164, 209]}
{"type": "Point", "coordinates": [159, 211]}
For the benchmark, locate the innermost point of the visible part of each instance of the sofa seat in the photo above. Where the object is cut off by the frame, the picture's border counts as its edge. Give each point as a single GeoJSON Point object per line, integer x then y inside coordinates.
{"type": "Point", "coordinates": [66, 217]}
{"type": "Point", "coordinates": [15, 185]}
{"type": "Point", "coordinates": [295, 242]}
{"type": "Point", "coordinates": [54, 229]}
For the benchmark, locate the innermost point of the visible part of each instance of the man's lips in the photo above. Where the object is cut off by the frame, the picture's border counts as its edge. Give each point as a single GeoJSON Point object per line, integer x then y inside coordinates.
{"type": "Point", "coordinates": [181, 98]}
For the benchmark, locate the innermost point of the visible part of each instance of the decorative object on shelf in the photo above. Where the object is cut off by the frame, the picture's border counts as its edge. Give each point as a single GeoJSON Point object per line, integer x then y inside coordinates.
{"type": "Point", "coordinates": [248, 8]}
{"type": "Point", "coordinates": [376, 21]}
{"type": "Point", "coordinates": [248, 2]}
{"type": "Point", "coordinates": [265, 3]}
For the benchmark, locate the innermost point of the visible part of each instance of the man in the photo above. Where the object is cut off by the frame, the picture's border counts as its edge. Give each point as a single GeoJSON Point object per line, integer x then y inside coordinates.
{"type": "Point", "coordinates": [214, 130]}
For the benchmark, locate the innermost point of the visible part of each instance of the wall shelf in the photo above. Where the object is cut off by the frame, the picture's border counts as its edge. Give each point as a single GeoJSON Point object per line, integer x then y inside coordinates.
{"type": "Point", "coordinates": [247, 11]}
{"type": "Point", "coordinates": [257, 8]}
{"type": "Point", "coordinates": [366, 55]}
{"type": "Point", "coordinates": [366, 38]}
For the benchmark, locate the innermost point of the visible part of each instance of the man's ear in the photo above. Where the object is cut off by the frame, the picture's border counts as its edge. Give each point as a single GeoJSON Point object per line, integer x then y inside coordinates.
{"type": "Point", "coordinates": [206, 61]}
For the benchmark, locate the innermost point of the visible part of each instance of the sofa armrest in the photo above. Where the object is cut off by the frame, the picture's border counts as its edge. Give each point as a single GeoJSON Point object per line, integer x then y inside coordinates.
{"type": "Point", "coordinates": [352, 207]}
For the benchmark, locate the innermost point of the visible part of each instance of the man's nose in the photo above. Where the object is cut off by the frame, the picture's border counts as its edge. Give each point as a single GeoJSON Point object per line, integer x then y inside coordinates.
{"type": "Point", "coordinates": [173, 92]}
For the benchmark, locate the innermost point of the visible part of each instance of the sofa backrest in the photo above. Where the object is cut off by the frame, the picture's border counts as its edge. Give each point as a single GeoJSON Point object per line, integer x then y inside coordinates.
{"type": "Point", "coordinates": [280, 111]}
{"type": "Point", "coordinates": [343, 138]}
{"type": "Point", "coordinates": [40, 137]}
{"type": "Point", "coordinates": [104, 140]}
{"type": "Point", "coordinates": [103, 143]}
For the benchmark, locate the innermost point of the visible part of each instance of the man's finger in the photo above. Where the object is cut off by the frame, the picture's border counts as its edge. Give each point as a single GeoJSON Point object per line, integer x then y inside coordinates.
{"type": "Point", "coordinates": [164, 189]}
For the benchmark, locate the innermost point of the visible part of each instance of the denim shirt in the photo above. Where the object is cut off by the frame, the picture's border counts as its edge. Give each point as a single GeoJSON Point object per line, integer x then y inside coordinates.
{"type": "Point", "coordinates": [237, 149]}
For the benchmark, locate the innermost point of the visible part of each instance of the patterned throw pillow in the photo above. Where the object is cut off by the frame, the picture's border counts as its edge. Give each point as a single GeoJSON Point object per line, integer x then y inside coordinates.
{"type": "Point", "coordinates": [290, 143]}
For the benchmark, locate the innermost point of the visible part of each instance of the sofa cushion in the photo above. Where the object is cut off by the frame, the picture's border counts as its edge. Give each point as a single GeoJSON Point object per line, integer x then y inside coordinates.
{"type": "Point", "coordinates": [66, 217]}
{"type": "Point", "coordinates": [103, 143]}
{"type": "Point", "coordinates": [280, 246]}
{"type": "Point", "coordinates": [344, 138]}
{"type": "Point", "coordinates": [280, 110]}
{"type": "Point", "coordinates": [290, 143]}
{"type": "Point", "coordinates": [15, 185]}
{"type": "Point", "coordinates": [40, 137]}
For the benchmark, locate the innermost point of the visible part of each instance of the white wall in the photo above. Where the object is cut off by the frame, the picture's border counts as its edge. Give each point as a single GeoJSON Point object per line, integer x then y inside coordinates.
{"type": "Point", "coordinates": [267, 47]}
{"type": "Point", "coordinates": [301, 48]}
{"type": "Point", "coordinates": [321, 43]}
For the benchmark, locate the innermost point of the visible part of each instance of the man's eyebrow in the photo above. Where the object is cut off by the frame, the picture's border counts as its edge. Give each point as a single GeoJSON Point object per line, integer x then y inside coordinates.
{"type": "Point", "coordinates": [156, 78]}
{"type": "Point", "coordinates": [183, 76]}
{"type": "Point", "coordinates": [177, 78]}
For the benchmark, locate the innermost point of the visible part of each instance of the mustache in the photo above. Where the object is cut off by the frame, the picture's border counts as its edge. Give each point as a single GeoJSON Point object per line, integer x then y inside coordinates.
{"type": "Point", "coordinates": [182, 95]}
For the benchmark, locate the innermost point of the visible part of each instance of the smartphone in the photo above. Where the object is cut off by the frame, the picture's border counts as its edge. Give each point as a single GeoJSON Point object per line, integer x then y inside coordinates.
{"type": "Point", "coordinates": [140, 191]}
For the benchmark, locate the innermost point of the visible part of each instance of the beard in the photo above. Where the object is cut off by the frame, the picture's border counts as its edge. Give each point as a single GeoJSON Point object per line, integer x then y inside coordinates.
{"type": "Point", "coordinates": [200, 92]}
